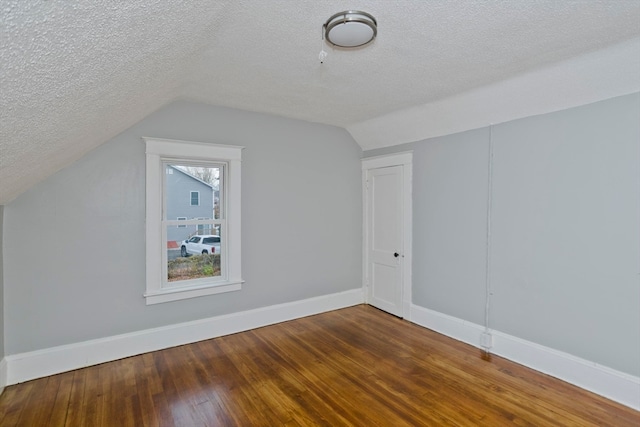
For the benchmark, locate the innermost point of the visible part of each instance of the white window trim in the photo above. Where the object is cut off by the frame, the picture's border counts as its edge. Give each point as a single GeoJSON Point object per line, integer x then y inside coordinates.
{"type": "Point", "coordinates": [191, 198]}
{"type": "Point", "coordinates": [157, 290]}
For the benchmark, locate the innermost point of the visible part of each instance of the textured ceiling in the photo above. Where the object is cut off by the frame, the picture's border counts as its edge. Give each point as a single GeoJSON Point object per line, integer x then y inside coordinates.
{"type": "Point", "coordinates": [74, 74]}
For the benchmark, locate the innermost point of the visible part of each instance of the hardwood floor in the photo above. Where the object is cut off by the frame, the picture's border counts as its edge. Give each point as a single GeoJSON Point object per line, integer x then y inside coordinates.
{"type": "Point", "coordinates": [352, 367]}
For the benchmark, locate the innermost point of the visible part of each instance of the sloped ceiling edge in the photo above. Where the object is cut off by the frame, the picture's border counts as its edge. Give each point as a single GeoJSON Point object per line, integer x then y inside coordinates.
{"type": "Point", "coordinates": [592, 77]}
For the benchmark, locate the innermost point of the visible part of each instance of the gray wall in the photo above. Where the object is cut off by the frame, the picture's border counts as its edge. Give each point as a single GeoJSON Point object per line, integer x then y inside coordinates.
{"type": "Point", "coordinates": [565, 251]}
{"type": "Point", "coordinates": [74, 244]}
{"type": "Point", "coordinates": [2, 353]}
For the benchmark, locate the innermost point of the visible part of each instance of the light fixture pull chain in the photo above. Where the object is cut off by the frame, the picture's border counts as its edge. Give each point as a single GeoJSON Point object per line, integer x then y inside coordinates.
{"type": "Point", "coordinates": [323, 55]}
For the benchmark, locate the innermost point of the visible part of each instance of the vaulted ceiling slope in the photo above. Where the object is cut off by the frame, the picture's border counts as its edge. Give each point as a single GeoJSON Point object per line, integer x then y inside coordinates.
{"type": "Point", "coordinates": [73, 74]}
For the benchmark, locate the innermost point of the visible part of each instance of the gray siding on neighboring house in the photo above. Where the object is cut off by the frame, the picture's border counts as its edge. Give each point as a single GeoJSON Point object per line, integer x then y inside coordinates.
{"type": "Point", "coordinates": [565, 220]}
{"type": "Point", "coordinates": [299, 181]}
{"type": "Point", "coordinates": [179, 186]}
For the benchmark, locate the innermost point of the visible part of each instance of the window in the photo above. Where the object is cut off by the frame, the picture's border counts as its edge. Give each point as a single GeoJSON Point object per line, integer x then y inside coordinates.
{"type": "Point", "coordinates": [195, 198]}
{"type": "Point", "coordinates": [188, 258]}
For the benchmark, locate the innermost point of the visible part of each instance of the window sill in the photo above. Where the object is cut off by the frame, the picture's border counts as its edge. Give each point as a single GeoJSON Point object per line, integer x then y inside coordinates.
{"type": "Point", "coordinates": [185, 292]}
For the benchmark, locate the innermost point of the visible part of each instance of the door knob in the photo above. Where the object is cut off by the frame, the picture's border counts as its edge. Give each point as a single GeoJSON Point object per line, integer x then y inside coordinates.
{"type": "Point", "coordinates": [396, 254]}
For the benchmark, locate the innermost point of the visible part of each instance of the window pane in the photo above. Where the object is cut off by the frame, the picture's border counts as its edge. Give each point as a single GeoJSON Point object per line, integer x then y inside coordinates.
{"type": "Point", "coordinates": [191, 192]}
{"type": "Point", "coordinates": [194, 258]}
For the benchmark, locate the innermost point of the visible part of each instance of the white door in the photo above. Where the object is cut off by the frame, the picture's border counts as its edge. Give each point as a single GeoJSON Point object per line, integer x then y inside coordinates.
{"type": "Point", "coordinates": [386, 242]}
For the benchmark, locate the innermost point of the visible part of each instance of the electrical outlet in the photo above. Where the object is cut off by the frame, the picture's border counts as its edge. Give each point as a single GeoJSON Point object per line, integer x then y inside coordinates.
{"type": "Point", "coordinates": [486, 340]}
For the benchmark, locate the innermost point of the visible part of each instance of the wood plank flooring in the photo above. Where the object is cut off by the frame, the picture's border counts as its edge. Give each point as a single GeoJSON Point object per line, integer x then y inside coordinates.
{"type": "Point", "coordinates": [352, 367]}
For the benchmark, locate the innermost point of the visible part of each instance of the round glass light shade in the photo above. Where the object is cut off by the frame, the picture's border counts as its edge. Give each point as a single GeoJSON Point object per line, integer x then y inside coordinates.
{"type": "Point", "coordinates": [350, 28]}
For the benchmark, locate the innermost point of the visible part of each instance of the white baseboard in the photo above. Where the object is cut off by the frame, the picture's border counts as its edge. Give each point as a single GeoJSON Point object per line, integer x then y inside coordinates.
{"type": "Point", "coordinates": [41, 363]}
{"type": "Point", "coordinates": [607, 382]}
{"type": "Point", "coordinates": [3, 374]}
{"type": "Point", "coordinates": [617, 386]}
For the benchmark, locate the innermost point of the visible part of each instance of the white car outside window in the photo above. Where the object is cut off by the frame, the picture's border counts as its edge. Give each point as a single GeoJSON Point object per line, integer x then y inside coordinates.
{"type": "Point", "coordinates": [207, 244]}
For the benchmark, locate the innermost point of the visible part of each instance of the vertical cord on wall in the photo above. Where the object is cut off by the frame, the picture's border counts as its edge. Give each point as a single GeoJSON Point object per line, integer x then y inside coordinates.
{"type": "Point", "coordinates": [486, 338]}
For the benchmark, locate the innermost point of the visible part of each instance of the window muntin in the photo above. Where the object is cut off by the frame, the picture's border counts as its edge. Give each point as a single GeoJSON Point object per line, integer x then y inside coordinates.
{"type": "Point", "coordinates": [220, 219]}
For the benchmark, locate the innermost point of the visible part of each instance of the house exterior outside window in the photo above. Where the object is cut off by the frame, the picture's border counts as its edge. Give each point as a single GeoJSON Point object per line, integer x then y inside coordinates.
{"type": "Point", "coordinates": [179, 204]}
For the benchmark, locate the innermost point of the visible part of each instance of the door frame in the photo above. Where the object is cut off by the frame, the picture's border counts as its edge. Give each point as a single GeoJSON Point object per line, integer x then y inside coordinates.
{"type": "Point", "coordinates": [404, 159]}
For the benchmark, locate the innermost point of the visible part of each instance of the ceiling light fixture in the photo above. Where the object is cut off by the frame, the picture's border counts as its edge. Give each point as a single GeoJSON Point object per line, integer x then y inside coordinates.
{"type": "Point", "coordinates": [351, 28]}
